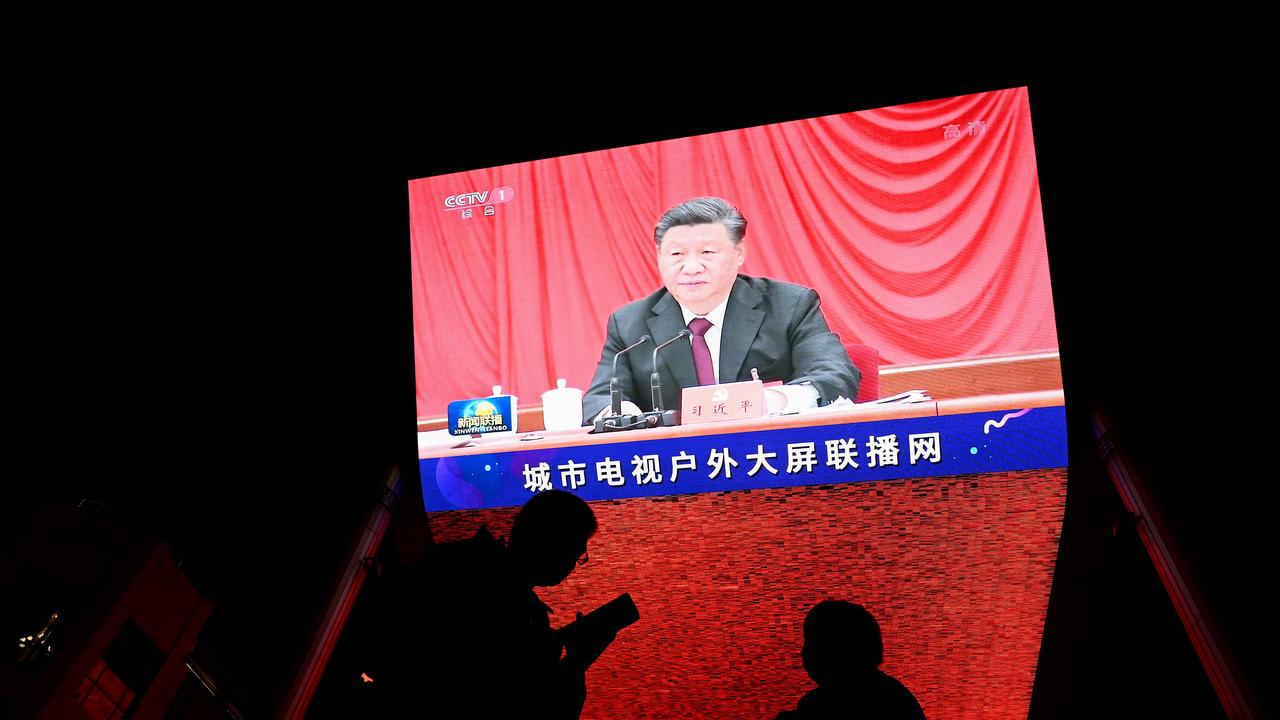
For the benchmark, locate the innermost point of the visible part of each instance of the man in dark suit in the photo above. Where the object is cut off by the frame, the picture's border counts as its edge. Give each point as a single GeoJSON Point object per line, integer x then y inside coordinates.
{"type": "Point", "coordinates": [737, 322]}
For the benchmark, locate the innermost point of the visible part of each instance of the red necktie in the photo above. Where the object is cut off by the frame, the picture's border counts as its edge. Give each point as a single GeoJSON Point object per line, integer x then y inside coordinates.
{"type": "Point", "coordinates": [701, 352]}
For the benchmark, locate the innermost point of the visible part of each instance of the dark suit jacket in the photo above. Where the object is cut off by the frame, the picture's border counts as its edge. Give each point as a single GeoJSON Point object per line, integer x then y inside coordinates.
{"type": "Point", "coordinates": [773, 326]}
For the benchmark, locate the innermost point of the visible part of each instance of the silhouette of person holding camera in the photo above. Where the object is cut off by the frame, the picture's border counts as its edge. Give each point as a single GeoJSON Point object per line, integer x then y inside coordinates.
{"type": "Point", "coordinates": [842, 653]}
{"type": "Point", "coordinates": [477, 641]}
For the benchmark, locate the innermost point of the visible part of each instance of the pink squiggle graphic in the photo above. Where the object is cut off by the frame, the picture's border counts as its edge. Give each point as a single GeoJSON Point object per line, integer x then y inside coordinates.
{"type": "Point", "coordinates": [986, 427]}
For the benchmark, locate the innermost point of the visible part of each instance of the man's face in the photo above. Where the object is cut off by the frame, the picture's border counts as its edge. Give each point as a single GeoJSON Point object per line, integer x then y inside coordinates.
{"type": "Point", "coordinates": [555, 564]}
{"type": "Point", "coordinates": [699, 264]}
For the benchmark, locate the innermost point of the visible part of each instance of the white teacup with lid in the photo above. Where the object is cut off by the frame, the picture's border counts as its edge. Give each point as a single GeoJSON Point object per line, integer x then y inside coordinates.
{"type": "Point", "coordinates": [562, 407]}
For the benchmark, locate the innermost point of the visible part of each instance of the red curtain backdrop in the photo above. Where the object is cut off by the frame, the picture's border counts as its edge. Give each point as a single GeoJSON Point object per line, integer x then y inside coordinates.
{"type": "Point", "coordinates": [919, 225]}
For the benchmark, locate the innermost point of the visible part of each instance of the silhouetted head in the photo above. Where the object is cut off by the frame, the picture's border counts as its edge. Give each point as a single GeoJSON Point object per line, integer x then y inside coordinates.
{"type": "Point", "coordinates": [841, 639]}
{"type": "Point", "coordinates": [549, 536]}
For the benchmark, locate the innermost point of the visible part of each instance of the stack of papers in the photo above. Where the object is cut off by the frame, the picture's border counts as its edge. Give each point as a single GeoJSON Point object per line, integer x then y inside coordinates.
{"type": "Point", "coordinates": [902, 398]}
{"type": "Point", "coordinates": [910, 396]}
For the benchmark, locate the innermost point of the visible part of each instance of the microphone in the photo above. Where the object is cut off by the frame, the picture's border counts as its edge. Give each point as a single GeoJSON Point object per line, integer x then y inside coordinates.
{"type": "Point", "coordinates": [615, 392]}
{"type": "Point", "coordinates": [655, 384]}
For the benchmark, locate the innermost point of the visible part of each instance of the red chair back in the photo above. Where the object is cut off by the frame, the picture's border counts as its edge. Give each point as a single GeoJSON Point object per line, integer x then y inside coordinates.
{"type": "Point", "coordinates": [867, 360]}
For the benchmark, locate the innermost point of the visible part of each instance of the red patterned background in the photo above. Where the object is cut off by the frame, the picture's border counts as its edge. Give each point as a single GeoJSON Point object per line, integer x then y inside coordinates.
{"type": "Point", "coordinates": [920, 226]}
{"type": "Point", "coordinates": [956, 569]}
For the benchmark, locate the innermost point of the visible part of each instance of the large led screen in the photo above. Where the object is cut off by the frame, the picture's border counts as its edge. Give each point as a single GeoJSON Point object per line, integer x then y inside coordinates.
{"type": "Point", "coordinates": [919, 227]}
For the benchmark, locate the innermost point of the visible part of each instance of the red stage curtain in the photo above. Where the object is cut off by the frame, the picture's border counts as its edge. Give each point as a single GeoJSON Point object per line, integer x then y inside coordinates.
{"type": "Point", "coordinates": [919, 225]}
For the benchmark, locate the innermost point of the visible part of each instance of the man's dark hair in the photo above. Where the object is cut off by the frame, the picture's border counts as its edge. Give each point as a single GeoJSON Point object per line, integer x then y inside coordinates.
{"type": "Point", "coordinates": [555, 518]}
{"type": "Point", "coordinates": [700, 211]}
{"type": "Point", "coordinates": [841, 637]}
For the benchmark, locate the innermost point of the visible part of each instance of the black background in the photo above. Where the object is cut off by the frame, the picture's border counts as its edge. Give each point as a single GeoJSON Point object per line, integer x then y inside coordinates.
{"type": "Point", "coordinates": [211, 332]}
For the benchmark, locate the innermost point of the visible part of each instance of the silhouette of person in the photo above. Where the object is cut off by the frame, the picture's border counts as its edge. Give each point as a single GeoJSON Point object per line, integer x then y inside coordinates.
{"type": "Point", "coordinates": [842, 653]}
{"type": "Point", "coordinates": [476, 641]}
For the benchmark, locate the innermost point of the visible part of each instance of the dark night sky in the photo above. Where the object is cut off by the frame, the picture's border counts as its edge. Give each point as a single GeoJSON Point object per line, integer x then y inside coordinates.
{"type": "Point", "coordinates": [213, 322]}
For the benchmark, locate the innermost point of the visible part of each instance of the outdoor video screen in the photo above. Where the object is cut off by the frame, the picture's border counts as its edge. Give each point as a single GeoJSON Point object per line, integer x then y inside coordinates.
{"type": "Point", "coordinates": [919, 226]}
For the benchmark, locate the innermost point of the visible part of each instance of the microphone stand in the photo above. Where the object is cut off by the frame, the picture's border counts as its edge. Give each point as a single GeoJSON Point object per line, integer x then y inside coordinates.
{"type": "Point", "coordinates": [617, 421]}
{"type": "Point", "coordinates": [659, 417]}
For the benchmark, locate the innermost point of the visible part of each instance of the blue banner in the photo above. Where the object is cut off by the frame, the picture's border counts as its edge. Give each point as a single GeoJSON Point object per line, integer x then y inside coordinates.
{"type": "Point", "coordinates": [966, 444]}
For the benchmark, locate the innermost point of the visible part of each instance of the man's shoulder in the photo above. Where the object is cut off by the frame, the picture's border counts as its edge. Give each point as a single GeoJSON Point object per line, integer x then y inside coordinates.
{"type": "Point", "coordinates": [772, 296]}
{"type": "Point", "coordinates": [770, 287]}
{"type": "Point", "coordinates": [641, 308]}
